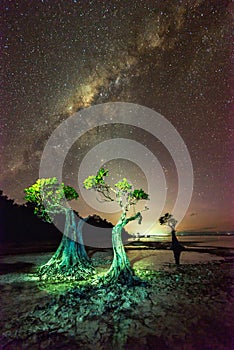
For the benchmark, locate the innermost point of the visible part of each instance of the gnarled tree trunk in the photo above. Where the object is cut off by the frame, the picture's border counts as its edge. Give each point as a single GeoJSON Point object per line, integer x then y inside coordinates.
{"type": "Point", "coordinates": [70, 259]}
{"type": "Point", "coordinates": [120, 270]}
{"type": "Point", "coordinates": [176, 247]}
{"type": "Point", "coordinates": [82, 252]}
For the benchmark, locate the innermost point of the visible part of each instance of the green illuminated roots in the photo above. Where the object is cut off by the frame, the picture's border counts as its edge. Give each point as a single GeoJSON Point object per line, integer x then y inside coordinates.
{"type": "Point", "coordinates": [124, 277]}
{"type": "Point", "coordinates": [60, 271]}
{"type": "Point", "coordinates": [63, 269]}
{"type": "Point", "coordinates": [69, 261]}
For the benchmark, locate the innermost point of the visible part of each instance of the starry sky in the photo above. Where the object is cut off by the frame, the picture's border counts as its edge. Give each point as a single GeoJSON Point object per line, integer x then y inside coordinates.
{"type": "Point", "coordinates": [59, 57]}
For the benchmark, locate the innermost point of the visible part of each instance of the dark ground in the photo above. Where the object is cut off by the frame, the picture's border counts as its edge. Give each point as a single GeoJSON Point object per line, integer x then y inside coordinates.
{"type": "Point", "coordinates": [185, 308]}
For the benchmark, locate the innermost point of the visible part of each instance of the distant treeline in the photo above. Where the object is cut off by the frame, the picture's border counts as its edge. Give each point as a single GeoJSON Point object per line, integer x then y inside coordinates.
{"type": "Point", "coordinates": [19, 225]}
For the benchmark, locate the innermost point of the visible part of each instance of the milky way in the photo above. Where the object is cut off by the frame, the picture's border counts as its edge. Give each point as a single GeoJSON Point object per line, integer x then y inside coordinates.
{"type": "Point", "coordinates": [172, 56]}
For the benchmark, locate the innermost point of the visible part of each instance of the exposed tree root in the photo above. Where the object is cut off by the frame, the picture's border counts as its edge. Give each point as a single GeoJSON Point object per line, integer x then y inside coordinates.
{"type": "Point", "coordinates": [59, 271]}
{"type": "Point", "coordinates": [124, 277]}
{"type": "Point", "coordinates": [67, 262]}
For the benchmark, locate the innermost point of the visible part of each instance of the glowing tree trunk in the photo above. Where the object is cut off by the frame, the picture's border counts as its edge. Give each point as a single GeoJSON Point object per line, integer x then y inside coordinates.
{"type": "Point", "coordinates": [124, 194]}
{"type": "Point", "coordinates": [120, 270]}
{"type": "Point", "coordinates": [70, 259]}
{"type": "Point", "coordinates": [83, 254]}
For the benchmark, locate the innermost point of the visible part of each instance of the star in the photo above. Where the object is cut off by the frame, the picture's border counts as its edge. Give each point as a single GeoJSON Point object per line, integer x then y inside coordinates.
{"type": "Point", "coordinates": [172, 57]}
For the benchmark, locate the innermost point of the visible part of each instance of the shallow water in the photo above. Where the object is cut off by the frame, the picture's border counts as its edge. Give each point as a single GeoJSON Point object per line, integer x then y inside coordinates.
{"type": "Point", "coordinates": [202, 240]}
{"type": "Point", "coordinates": [147, 254]}
{"type": "Point", "coordinates": [214, 241]}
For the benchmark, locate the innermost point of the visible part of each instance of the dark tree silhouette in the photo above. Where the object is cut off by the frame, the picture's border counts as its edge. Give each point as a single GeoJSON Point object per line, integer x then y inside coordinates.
{"type": "Point", "coordinates": [177, 248]}
{"type": "Point", "coordinates": [20, 228]}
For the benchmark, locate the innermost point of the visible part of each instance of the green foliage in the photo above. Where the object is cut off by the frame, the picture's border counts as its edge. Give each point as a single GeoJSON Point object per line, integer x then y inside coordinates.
{"type": "Point", "coordinates": [123, 186]}
{"type": "Point", "coordinates": [48, 197]}
{"type": "Point", "coordinates": [123, 189]}
{"type": "Point", "coordinates": [140, 194]}
{"type": "Point", "coordinates": [100, 176]}
{"type": "Point", "coordinates": [92, 181]}
{"type": "Point", "coordinates": [70, 193]}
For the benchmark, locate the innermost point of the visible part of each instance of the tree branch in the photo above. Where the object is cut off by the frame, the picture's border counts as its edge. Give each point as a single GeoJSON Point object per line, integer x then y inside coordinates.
{"type": "Point", "coordinates": [132, 218]}
{"type": "Point", "coordinates": [136, 216]}
{"type": "Point", "coordinates": [106, 194]}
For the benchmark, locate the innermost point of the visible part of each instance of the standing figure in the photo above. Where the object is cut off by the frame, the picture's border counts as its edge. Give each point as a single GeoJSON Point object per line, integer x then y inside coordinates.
{"type": "Point", "coordinates": [177, 248]}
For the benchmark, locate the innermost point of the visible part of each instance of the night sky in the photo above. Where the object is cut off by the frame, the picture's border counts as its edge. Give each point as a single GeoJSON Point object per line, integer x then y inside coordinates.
{"type": "Point", "coordinates": [174, 57]}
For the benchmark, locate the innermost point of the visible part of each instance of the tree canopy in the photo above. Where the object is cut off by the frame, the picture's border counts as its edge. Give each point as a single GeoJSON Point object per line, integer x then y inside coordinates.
{"type": "Point", "coordinates": [93, 182]}
{"type": "Point", "coordinates": [168, 220]}
{"type": "Point", "coordinates": [123, 189]}
{"type": "Point", "coordinates": [49, 197]}
{"type": "Point", "coordinates": [164, 219]}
